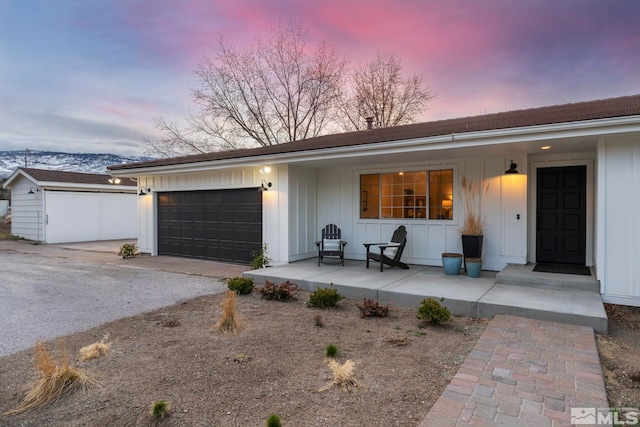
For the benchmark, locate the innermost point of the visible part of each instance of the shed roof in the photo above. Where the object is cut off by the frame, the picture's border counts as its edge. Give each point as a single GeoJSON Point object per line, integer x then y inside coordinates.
{"type": "Point", "coordinates": [566, 113]}
{"type": "Point", "coordinates": [55, 176]}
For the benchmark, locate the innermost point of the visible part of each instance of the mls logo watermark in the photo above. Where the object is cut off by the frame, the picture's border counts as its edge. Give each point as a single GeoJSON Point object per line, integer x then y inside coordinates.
{"type": "Point", "coordinates": [604, 416]}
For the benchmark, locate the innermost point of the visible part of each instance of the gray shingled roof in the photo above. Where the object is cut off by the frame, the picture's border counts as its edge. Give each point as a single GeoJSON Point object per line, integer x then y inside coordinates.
{"type": "Point", "coordinates": [590, 110]}
{"type": "Point", "coordinates": [43, 175]}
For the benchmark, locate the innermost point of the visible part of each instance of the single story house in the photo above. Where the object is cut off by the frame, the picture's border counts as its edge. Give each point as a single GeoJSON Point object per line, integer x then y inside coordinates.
{"type": "Point", "coordinates": [575, 198]}
{"type": "Point", "coordinates": [58, 207]}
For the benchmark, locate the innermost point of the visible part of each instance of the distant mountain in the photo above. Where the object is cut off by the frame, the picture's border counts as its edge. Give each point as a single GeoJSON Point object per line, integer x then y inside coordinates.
{"type": "Point", "coordinates": [72, 162]}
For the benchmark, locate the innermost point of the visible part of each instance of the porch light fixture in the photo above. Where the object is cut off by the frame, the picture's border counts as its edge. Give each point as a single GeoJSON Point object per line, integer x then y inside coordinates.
{"type": "Point", "coordinates": [264, 186]}
{"type": "Point", "coordinates": [265, 169]}
{"type": "Point", "coordinates": [33, 190]}
{"type": "Point", "coordinates": [113, 180]}
{"type": "Point", "coordinates": [144, 191]}
{"type": "Point", "coordinates": [513, 168]}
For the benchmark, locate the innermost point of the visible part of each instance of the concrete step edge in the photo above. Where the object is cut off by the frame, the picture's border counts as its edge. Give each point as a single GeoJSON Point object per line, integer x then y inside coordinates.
{"type": "Point", "coordinates": [550, 282]}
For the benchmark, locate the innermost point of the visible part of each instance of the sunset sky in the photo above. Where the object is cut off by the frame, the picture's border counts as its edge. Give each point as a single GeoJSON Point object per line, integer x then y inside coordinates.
{"type": "Point", "coordinates": [90, 75]}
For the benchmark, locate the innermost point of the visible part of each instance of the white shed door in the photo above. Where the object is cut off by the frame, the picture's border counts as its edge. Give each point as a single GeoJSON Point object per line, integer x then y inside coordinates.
{"type": "Point", "coordinates": [71, 217]}
{"type": "Point", "coordinates": [86, 217]}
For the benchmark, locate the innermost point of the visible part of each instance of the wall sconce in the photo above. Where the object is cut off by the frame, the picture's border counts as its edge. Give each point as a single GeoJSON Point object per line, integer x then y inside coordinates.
{"type": "Point", "coordinates": [144, 191]}
{"type": "Point", "coordinates": [512, 168]}
{"type": "Point", "coordinates": [33, 190]}
{"type": "Point", "coordinates": [114, 180]}
{"type": "Point", "coordinates": [264, 186]}
{"type": "Point", "coordinates": [265, 169]}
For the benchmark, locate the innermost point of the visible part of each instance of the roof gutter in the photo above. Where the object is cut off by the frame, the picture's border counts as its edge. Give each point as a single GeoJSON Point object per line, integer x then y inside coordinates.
{"type": "Point", "coordinates": [47, 185]}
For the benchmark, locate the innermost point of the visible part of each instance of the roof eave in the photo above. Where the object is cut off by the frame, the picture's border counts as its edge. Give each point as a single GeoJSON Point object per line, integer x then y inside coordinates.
{"type": "Point", "coordinates": [67, 186]}
{"type": "Point", "coordinates": [440, 142]}
{"type": "Point", "coordinates": [14, 176]}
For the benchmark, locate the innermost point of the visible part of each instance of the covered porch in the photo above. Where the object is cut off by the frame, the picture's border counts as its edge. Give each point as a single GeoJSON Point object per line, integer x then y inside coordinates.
{"type": "Point", "coordinates": [516, 290]}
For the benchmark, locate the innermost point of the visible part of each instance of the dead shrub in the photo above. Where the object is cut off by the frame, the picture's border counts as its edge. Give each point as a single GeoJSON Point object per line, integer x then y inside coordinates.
{"type": "Point", "coordinates": [398, 342]}
{"type": "Point", "coordinates": [283, 292]}
{"type": "Point", "coordinates": [57, 378]}
{"type": "Point", "coordinates": [343, 375]}
{"type": "Point", "coordinates": [370, 308]}
{"type": "Point", "coordinates": [95, 350]}
{"type": "Point", "coordinates": [230, 322]}
{"type": "Point", "coordinates": [169, 323]}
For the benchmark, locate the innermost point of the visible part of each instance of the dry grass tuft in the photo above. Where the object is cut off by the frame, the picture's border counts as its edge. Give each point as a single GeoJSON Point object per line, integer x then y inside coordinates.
{"type": "Point", "coordinates": [95, 350]}
{"type": "Point", "coordinates": [57, 378]}
{"type": "Point", "coordinates": [230, 322]}
{"type": "Point", "coordinates": [343, 375]}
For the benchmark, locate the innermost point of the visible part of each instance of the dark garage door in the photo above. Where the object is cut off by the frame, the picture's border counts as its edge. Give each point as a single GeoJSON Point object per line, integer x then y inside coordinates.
{"type": "Point", "coordinates": [221, 225]}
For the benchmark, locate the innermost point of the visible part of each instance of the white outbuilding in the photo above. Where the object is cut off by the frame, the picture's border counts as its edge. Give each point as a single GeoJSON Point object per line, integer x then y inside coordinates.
{"type": "Point", "coordinates": [58, 207]}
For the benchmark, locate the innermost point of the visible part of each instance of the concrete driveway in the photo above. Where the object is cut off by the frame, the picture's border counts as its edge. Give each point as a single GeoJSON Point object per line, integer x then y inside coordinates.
{"type": "Point", "coordinates": [47, 291]}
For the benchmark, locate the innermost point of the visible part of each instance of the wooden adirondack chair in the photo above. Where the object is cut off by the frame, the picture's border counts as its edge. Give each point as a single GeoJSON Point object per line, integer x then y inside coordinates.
{"type": "Point", "coordinates": [331, 244]}
{"type": "Point", "coordinates": [390, 253]}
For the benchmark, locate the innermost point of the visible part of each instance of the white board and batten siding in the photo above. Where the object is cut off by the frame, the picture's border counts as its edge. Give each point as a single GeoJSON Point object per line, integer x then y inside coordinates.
{"type": "Point", "coordinates": [504, 206]}
{"type": "Point", "coordinates": [275, 202]}
{"type": "Point", "coordinates": [618, 219]}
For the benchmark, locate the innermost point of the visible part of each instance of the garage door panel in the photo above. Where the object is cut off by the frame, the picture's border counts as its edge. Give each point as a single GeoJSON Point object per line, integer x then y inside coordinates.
{"type": "Point", "coordinates": [223, 225]}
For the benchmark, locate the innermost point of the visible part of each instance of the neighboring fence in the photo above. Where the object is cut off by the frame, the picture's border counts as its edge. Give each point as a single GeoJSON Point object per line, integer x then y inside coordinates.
{"type": "Point", "coordinates": [4, 208]}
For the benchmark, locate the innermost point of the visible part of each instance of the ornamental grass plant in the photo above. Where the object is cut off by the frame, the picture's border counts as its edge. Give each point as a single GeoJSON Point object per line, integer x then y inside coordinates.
{"type": "Point", "coordinates": [57, 378]}
{"type": "Point", "coordinates": [473, 222]}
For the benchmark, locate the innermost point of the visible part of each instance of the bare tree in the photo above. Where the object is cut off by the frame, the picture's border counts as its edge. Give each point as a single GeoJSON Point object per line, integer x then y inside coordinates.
{"type": "Point", "coordinates": [379, 90]}
{"type": "Point", "coordinates": [275, 91]}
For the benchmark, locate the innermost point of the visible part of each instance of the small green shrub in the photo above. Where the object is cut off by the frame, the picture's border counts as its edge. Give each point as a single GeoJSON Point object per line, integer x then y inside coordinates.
{"type": "Point", "coordinates": [432, 311]}
{"type": "Point", "coordinates": [284, 291]}
{"type": "Point", "coordinates": [160, 409]}
{"type": "Point", "coordinates": [331, 350]}
{"type": "Point", "coordinates": [260, 258]}
{"type": "Point", "coordinates": [274, 421]}
{"type": "Point", "coordinates": [128, 250]}
{"type": "Point", "coordinates": [324, 297]}
{"type": "Point", "coordinates": [242, 285]}
{"type": "Point", "coordinates": [370, 308]}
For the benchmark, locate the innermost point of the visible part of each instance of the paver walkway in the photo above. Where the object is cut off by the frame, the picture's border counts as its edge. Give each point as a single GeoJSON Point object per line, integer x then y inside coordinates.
{"type": "Point", "coordinates": [523, 372]}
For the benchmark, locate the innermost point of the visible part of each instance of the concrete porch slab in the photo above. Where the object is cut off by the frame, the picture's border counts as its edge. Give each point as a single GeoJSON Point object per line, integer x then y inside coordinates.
{"type": "Point", "coordinates": [353, 280]}
{"type": "Point", "coordinates": [565, 305]}
{"type": "Point", "coordinates": [524, 275]}
{"type": "Point", "coordinates": [466, 296]}
{"type": "Point", "coordinates": [460, 292]}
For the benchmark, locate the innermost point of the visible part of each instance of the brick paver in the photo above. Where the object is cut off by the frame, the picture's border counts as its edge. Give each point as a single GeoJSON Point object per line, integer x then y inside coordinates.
{"type": "Point", "coordinates": [523, 372]}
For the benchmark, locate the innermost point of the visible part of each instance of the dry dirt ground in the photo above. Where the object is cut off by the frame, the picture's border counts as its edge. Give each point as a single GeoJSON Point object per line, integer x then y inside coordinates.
{"type": "Point", "coordinates": [620, 356]}
{"type": "Point", "coordinates": [276, 365]}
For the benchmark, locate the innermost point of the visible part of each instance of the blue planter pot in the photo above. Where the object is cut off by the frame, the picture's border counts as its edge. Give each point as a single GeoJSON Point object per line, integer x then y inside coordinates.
{"type": "Point", "coordinates": [451, 263]}
{"type": "Point", "coordinates": [474, 266]}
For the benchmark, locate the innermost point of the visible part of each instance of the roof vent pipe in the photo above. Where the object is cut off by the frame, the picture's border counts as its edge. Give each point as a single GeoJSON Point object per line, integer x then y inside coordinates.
{"type": "Point", "coordinates": [369, 123]}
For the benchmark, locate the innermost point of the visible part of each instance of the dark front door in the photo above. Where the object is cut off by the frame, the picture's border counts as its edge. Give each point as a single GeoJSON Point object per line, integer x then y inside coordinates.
{"type": "Point", "coordinates": [561, 220]}
{"type": "Point", "coordinates": [221, 225]}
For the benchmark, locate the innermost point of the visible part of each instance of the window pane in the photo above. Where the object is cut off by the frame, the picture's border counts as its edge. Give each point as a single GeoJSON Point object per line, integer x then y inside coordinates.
{"type": "Point", "coordinates": [441, 194]}
{"type": "Point", "coordinates": [370, 196]}
{"type": "Point", "coordinates": [397, 195]}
